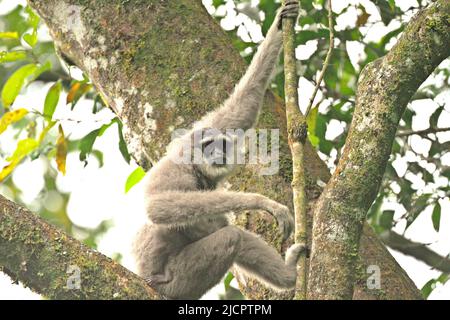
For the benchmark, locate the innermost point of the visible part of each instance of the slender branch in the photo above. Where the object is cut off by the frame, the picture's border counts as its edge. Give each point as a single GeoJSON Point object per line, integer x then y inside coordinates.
{"type": "Point", "coordinates": [406, 133]}
{"type": "Point", "coordinates": [327, 58]}
{"type": "Point", "coordinates": [417, 250]}
{"type": "Point", "coordinates": [296, 125]}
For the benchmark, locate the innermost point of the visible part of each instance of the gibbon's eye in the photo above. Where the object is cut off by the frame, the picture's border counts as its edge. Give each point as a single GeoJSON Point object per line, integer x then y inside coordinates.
{"type": "Point", "coordinates": [224, 146]}
{"type": "Point", "coordinates": [205, 144]}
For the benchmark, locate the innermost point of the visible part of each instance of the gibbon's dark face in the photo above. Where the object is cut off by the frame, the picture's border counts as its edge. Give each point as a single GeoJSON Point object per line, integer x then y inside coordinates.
{"type": "Point", "coordinates": [217, 150]}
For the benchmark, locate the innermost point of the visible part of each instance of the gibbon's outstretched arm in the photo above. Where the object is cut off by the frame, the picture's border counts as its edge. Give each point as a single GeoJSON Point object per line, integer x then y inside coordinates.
{"type": "Point", "coordinates": [241, 109]}
{"type": "Point", "coordinates": [184, 208]}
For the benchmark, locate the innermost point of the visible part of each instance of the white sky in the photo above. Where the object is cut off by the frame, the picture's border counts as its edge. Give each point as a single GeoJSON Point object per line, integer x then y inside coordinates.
{"type": "Point", "coordinates": [98, 193]}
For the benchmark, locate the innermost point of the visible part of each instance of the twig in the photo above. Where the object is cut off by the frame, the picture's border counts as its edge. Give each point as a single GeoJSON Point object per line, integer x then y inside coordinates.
{"type": "Point", "coordinates": [406, 133]}
{"type": "Point", "coordinates": [327, 59]}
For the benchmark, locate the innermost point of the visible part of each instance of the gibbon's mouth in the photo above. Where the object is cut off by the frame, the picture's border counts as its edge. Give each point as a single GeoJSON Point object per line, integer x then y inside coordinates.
{"type": "Point", "coordinates": [219, 165]}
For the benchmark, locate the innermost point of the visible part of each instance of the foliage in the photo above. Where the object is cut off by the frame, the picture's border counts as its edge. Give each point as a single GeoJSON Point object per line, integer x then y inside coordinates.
{"type": "Point", "coordinates": [26, 59]}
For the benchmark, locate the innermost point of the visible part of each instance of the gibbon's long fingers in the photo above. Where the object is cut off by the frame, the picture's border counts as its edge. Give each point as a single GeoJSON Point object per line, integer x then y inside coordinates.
{"type": "Point", "coordinates": [157, 279]}
{"type": "Point", "coordinates": [290, 10]}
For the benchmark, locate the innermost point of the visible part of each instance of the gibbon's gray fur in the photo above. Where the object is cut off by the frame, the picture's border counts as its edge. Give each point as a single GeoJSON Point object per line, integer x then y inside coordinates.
{"type": "Point", "coordinates": [188, 245]}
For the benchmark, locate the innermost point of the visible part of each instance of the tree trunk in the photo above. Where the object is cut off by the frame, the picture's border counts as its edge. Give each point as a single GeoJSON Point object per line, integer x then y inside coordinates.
{"type": "Point", "coordinates": [384, 89]}
{"type": "Point", "coordinates": [164, 64]}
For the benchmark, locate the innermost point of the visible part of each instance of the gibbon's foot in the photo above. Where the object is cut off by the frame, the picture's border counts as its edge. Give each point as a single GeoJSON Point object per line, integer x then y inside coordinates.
{"type": "Point", "coordinates": [290, 10]}
{"type": "Point", "coordinates": [293, 253]}
{"type": "Point", "coordinates": [308, 252]}
{"type": "Point", "coordinates": [157, 279]}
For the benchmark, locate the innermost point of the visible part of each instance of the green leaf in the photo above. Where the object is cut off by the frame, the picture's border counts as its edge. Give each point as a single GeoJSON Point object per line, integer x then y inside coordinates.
{"type": "Point", "coordinates": [428, 288]}
{"type": "Point", "coordinates": [134, 178]}
{"type": "Point", "coordinates": [305, 35]}
{"type": "Point", "coordinates": [386, 11]}
{"type": "Point", "coordinates": [41, 69]}
{"type": "Point", "coordinates": [435, 117]}
{"type": "Point", "coordinates": [228, 280]}
{"type": "Point", "coordinates": [386, 219]}
{"type": "Point", "coordinates": [33, 22]}
{"type": "Point", "coordinates": [30, 38]}
{"type": "Point", "coordinates": [122, 144]}
{"type": "Point", "coordinates": [86, 143]}
{"type": "Point", "coordinates": [431, 285]}
{"type": "Point", "coordinates": [217, 3]}
{"type": "Point", "coordinates": [99, 156]}
{"type": "Point", "coordinates": [14, 84]}
{"type": "Point", "coordinates": [33, 18]}
{"type": "Point", "coordinates": [311, 119]}
{"type": "Point", "coordinates": [436, 216]}
{"type": "Point", "coordinates": [15, 20]}
{"type": "Point", "coordinates": [51, 100]}
{"type": "Point", "coordinates": [12, 56]}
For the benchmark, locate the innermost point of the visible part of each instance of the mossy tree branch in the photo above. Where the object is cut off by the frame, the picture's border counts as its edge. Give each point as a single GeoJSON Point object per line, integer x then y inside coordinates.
{"type": "Point", "coordinates": [44, 259]}
{"type": "Point", "coordinates": [384, 89]}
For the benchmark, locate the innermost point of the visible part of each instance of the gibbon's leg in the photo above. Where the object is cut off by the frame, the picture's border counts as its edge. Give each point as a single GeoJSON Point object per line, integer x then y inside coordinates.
{"type": "Point", "coordinates": [201, 264]}
{"type": "Point", "coordinates": [266, 264]}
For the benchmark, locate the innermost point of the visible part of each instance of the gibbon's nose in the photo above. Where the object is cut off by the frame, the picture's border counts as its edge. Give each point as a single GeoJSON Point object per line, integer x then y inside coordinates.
{"type": "Point", "coordinates": [218, 159]}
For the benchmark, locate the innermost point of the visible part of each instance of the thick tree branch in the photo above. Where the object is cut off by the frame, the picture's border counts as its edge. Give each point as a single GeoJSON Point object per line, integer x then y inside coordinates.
{"type": "Point", "coordinates": [47, 260]}
{"type": "Point", "coordinates": [384, 89]}
{"type": "Point", "coordinates": [163, 64]}
{"type": "Point", "coordinates": [417, 250]}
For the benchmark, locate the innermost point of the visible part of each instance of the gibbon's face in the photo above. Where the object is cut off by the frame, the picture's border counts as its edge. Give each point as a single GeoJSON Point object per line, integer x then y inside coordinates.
{"type": "Point", "coordinates": [217, 151]}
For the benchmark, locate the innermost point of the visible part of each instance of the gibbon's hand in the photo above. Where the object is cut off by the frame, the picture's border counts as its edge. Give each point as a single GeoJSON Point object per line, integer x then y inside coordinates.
{"type": "Point", "coordinates": [289, 10]}
{"type": "Point", "coordinates": [284, 219]}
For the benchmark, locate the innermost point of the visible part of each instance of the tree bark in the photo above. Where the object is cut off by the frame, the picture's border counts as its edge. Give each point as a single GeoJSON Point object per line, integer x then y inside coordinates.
{"type": "Point", "coordinates": [47, 260]}
{"type": "Point", "coordinates": [384, 89]}
{"type": "Point", "coordinates": [164, 64]}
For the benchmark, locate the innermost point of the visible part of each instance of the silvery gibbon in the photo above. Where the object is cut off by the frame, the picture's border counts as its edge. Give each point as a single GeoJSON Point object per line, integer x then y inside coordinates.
{"type": "Point", "coordinates": [188, 245]}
